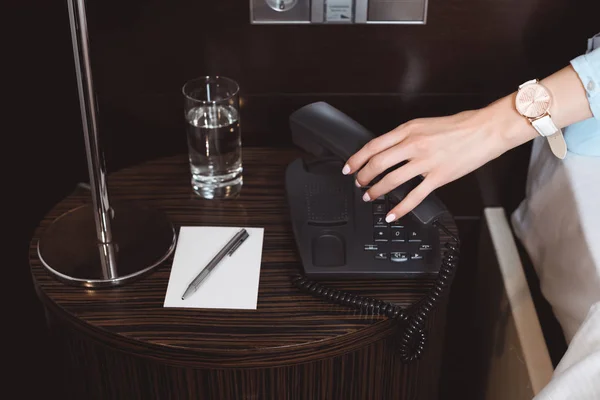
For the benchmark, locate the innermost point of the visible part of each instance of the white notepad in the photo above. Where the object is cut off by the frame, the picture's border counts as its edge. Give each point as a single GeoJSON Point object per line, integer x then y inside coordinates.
{"type": "Point", "coordinates": [233, 284]}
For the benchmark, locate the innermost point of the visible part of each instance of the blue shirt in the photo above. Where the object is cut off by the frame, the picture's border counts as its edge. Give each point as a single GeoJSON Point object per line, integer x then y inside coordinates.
{"type": "Point", "coordinates": [584, 137]}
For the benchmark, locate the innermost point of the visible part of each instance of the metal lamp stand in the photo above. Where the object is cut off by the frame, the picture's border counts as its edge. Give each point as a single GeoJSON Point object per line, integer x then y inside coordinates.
{"type": "Point", "coordinates": [100, 245]}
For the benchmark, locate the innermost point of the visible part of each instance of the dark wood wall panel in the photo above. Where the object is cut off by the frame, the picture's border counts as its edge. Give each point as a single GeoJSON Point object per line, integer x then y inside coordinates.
{"type": "Point", "coordinates": [467, 46]}
{"type": "Point", "coordinates": [469, 53]}
{"type": "Point", "coordinates": [154, 126]}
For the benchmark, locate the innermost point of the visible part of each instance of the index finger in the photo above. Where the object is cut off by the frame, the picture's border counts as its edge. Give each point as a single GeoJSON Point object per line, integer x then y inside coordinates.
{"type": "Point", "coordinates": [374, 147]}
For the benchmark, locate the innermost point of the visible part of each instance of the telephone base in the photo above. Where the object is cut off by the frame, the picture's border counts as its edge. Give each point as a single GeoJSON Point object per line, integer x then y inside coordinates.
{"type": "Point", "coordinates": [338, 235]}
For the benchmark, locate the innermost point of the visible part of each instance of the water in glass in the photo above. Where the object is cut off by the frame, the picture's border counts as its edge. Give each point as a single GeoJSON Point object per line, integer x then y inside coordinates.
{"type": "Point", "coordinates": [215, 150]}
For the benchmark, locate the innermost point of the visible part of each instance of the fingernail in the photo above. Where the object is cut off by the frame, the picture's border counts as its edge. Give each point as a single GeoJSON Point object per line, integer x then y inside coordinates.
{"type": "Point", "coordinates": [357, 184]}
{"type": "Point", "coordinates": [346, 169]}
{"type": "Point", "coordinates": [366, 197]}
{"type": "Point", "coordinates": [390, 218]}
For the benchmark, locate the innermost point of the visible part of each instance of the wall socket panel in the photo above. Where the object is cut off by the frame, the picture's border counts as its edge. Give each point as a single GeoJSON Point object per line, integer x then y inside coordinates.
{"type": "Point", "coordinates": [338, 11]}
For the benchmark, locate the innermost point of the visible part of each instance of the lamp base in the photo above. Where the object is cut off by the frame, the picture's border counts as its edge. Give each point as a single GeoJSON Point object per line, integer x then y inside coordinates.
{"type": "Point", "coordinates": [142, 239]}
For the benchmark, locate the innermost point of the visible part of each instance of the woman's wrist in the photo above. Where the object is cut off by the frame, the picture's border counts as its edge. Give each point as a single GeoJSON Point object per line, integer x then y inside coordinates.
{"type": "Point", "coordinates": [510, 128]}
{"type": "Point", "coordinates": [569, 105]}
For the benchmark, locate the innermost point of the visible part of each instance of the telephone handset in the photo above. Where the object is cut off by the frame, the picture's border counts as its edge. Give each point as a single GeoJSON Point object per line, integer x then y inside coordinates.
{"type": "Point", "coordinates": [340, 236]}
{"type": "Point", "coordinates": [323, 130]}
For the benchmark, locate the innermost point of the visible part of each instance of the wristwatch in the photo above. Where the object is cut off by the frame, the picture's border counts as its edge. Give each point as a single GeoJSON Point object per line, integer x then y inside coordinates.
{"type": "Point", "coordinates": [533, 101]}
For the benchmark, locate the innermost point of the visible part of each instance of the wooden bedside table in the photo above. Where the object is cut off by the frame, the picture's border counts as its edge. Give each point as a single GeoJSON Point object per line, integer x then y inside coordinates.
{"type": "Point", "coordinates": [121, 343]}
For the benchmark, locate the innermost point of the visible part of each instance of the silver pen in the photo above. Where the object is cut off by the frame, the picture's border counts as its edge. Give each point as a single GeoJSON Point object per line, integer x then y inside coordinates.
{"type": "Point", "coordinates": [229, 249]}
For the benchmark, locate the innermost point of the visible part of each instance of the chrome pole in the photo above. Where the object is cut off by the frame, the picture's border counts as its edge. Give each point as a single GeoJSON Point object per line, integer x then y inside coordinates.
{"type": "Point", "coordinates": [89, 116]}
{"type": "Point", "coordinates": [101, 245]}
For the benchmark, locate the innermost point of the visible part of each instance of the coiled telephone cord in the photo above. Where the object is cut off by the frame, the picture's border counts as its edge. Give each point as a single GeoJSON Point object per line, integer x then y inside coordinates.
{"type": "Point", "coordinates": [414, 337]}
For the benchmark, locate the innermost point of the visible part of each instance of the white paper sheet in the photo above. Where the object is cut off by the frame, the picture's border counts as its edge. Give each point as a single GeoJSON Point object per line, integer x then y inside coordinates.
{"type": "Point", "coordinates": [233, 284]}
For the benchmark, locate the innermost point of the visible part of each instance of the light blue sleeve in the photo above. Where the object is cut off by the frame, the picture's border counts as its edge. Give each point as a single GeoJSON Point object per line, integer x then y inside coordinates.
{"type": "Point", "coordinates": [584, 137]}
{"type": "Point", "coordinates": [587, 67]}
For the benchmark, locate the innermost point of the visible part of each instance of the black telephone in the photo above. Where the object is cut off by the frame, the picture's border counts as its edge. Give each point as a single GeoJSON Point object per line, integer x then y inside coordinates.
{"type": "Point", "coordinates": [340, 236]}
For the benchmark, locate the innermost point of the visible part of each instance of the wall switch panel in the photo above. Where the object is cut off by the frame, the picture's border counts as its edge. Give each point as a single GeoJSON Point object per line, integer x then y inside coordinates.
{"type": "Point", "coordinates": [338, 11]}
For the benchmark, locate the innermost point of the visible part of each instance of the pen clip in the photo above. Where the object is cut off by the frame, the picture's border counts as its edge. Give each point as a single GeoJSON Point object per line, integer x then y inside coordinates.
{"type": "Point", "coordinates": [238, 244]}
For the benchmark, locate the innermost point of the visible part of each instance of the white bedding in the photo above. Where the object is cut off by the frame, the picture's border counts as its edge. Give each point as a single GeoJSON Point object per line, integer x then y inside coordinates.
{"type": "Point", "coordinates": [559, 226]}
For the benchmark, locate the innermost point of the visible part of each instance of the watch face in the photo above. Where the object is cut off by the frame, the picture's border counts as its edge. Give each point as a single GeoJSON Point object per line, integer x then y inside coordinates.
{"type": "Point", "coordinates": [533, 100]}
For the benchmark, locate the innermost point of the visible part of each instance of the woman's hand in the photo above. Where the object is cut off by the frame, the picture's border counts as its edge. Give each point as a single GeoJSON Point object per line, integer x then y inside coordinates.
{"type": "Point", "coordinates": [440, 149]}
{"type": "Point", "coordinates": [444, 149]}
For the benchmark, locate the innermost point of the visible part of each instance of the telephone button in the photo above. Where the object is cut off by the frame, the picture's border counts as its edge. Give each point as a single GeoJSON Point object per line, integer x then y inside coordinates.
{"type": "Point", "coordinates": [398, 235]}
{"type": "Point", "coordinates": [379, 209]}
{"type": "Point", "coordinates": [381, 256]}
{"type": "Point", "coordinates": [381, 234]}
{"type": "Point", "coordinates": [398, 257]}
{"type": "Point", "coordinates": [416, 256]}
{"type": "Point", "coordinates": [371, 247]}
{"type": "Point", "coordinates": [380, 221]}
{"type": "Point", "coordinates": [425, 247]}
{"type": "Point", "coordinates": [414, 236]}
{"type": "Point", "coordinates": [397, 224]}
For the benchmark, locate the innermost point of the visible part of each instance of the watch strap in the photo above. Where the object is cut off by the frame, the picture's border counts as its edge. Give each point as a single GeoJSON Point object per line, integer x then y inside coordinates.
{"type": "Point", "coordinates": [558, 145]}
{"type": "Point", "coordinates": [546, 127]}
{"type": "Point", "coordinates": [528, 82]}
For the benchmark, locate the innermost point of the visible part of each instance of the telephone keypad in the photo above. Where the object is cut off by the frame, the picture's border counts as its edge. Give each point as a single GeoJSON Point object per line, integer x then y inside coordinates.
{"type": "Point", "coordinates": [397, 223]}
{"type": "Point", "coordinates": [399, 241]}
{"type": "Point", "coordinates": [398, 235]}
{"type": "Point", "coordinates": [414, 236]}
{"type": "Point", "coordinates": [379, 209]}
{"type": "Point", "coordinates": [416, 256]}
{"type": "Point", "coordinates": [398, 257]}
{"type": "Point", "coordinates": [381, 234]}
{"type": "Point", "coordinates": [380, 221]}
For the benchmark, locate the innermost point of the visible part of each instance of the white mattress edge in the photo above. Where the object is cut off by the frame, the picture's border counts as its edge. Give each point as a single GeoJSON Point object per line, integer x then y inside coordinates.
{"type": "Point", "coordinates": [535, 352]}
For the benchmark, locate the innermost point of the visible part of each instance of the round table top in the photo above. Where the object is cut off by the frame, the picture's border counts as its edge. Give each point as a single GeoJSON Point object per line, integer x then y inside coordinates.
{"type": "Point", "coordinates": [287, 326]}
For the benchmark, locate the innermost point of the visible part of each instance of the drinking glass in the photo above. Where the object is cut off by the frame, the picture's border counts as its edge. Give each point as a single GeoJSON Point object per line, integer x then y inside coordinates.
{"type": "Point", "coordinates": [214, 136]}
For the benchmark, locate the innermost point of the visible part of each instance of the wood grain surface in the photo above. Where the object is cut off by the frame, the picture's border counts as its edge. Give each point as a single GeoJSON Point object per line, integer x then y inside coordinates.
{"type": "Point", "coordinates": [293, 346]}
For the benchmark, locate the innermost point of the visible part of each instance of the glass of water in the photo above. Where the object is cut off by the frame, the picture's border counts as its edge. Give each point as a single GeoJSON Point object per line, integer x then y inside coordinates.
{"type": "Point", "coordinates": [214, 136]}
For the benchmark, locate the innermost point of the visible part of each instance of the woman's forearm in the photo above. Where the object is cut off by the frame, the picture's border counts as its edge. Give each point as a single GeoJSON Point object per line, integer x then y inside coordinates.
{"type": "Point", "coordinates": [446, 148]}
{"type": "Point", "coordinates": [569, 105]}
